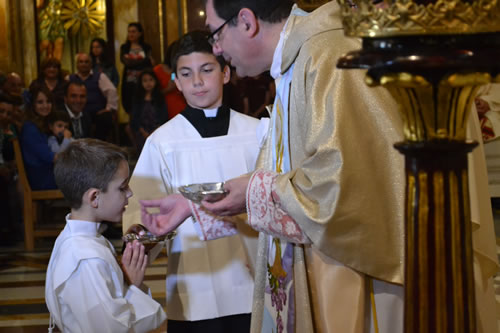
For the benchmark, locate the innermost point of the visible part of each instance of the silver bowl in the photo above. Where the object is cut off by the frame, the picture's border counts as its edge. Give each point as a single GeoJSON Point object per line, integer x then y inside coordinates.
{"type": "Point", "coordinates": [206, 191]}
{"type": "Point", "coordinates": [143, 235]}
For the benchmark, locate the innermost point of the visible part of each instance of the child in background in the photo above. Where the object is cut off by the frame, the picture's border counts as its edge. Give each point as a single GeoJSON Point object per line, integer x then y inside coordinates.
{"type": "Point", "coordinates": [209, 284]}
{"type": "Point", "coordinates": [59, 127]}
{"type": "Point", "coordinates": [148, 109]}
{"type": "Point", "coordinates": [86, 290]}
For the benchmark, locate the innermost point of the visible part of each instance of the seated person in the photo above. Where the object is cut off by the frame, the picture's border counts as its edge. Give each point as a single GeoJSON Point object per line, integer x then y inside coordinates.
{"type": "Point", "coordinates": [59, 127]}
{"type": "Point", "coordinates": [37, 156]}
{"type": "Point", "coordinates": [75, 99]}
{"type": "Point", "coordinates": [14, 86]}
{"type": "Point", "coordinates": [86, 290]}
{"type": "Point", "coordinates": [102, 98]}
{"type": "Point", "coordinates": [51, 76]}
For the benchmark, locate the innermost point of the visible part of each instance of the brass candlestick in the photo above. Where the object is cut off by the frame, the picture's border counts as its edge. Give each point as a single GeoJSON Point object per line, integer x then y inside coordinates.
{"type": "Point", "coordinates": [432, 58]}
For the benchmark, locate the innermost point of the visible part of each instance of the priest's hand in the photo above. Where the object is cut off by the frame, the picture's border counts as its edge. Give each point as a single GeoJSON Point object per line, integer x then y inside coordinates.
{"type": "Point", "coordinates": [234, 202]}
{"type": "Point", "coordinates": [481, 106]}
{"type": "Point", "coordinates": [134, 262]}
{"type": "Point", "coordinates": [174, 209]}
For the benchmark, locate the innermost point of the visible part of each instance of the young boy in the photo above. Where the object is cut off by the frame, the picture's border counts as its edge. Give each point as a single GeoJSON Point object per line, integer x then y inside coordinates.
{"type": "Point", "coordinates": [85, 289]}
{"type": "Point", "coordinates": [209, 284]}
{"type": "Point", "coordinates": [59, 127]}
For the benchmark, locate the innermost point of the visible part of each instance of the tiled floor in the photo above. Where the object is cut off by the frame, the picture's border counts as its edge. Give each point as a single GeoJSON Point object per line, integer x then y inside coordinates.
{"type": "Point", "coordinates": [22, 280]}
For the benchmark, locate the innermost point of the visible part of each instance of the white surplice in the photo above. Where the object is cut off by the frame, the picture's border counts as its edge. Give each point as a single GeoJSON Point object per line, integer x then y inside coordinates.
{"type": "Point", "coordinates": [85, 290]}
{"type": "Point", "coordinates": [212, 279]}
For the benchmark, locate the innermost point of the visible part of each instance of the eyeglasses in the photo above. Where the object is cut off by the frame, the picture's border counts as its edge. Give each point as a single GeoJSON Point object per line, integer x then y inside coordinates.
{"type": "Point", "coordinates": [214, 36]}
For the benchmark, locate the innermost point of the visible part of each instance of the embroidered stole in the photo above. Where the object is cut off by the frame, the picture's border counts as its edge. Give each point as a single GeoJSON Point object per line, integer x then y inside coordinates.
{"type": "Point", "coordinates": [279, 306]}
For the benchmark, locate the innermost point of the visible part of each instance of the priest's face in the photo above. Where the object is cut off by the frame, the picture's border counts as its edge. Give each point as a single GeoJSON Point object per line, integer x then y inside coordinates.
{"type": "Point", "coordinates": [239, 41]}
{"type": "Point", "coordinates": [200, 79]}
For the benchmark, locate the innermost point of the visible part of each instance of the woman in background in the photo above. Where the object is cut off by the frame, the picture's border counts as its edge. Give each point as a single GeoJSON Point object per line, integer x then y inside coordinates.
{"type": "Point", "coordinates": [37, 156]}
{"type": "Point", "coordinates": [102, 60]}
{"type": "Point", "coordinates": [135, 55]}
{"type": "Point", "coordinates": [52, 78]}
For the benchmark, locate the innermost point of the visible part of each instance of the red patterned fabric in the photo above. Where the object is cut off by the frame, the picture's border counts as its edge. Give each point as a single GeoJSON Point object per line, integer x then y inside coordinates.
{"type": "Point", "coordinates": [212, 227]}
{"type": "Point", "coordinates": [486, 129]}
{"type": "Point", "coordinates": [265, 213]}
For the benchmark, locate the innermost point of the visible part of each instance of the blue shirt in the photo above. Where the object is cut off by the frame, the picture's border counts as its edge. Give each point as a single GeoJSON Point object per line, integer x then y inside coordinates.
{"type": "Point", "coordinates": [38, 158]}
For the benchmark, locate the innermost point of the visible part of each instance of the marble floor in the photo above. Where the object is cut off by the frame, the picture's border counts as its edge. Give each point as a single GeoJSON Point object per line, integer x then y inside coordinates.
{"type": "Point", "coordinates": [22, 280]}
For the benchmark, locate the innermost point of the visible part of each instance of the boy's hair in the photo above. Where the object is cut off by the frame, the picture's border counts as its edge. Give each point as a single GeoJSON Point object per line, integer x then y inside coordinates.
{"type": "Point", "coordinates": [86, 164]}
{"type": "Point", "coordinates": [169, 53]}
{"type": "Point", "coordinates": [194, 41]}
{"type": "Point", "coordinates": [270, 11]}
{"type": "Point", "coordinates": [58, 116]}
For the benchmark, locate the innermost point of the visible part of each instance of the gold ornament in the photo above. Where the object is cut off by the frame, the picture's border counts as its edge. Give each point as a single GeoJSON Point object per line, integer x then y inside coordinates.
{"type": "Point", "coordinates": [82, 16]}
{"type": "Point", "coordinates": [361, 18]}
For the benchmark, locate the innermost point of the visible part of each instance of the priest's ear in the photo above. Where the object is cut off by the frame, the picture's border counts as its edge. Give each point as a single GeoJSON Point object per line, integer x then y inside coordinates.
{"type": "Point", "coordinates": [248, 24]}
{"type": "Point", "coordinates": [226, 72]}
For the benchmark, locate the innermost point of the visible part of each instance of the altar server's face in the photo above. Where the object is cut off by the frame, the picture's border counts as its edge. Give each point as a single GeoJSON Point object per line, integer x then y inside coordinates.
{"type": "Point", "coordinates": [200, 79]}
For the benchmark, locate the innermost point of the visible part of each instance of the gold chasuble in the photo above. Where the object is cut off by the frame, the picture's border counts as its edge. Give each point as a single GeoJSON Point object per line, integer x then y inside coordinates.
{"type": "Point", "coordinates": [328, 193]}
{"type": "Point", "coordinates": [342, 182]}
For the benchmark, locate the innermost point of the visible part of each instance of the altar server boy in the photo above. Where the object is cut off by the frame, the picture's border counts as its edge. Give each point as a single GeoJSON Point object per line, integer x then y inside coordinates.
{"type": "Point", "coordinates": [87, 290]}
{"type": "Point", "coordinates": [209, 285]}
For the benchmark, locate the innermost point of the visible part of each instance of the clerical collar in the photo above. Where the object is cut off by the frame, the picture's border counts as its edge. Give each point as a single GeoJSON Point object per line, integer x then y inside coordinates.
{"type": "Point", "coordinates": [210, 122]}
{"type": "Point", "coordinates": [210, 113]}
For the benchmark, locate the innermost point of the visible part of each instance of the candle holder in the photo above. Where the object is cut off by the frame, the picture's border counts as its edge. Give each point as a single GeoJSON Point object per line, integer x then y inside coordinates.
{"type": "Point", "coordinates": [432, 57]}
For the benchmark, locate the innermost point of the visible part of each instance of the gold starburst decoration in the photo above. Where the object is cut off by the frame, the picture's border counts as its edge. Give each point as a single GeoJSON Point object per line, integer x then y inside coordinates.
{"type": "Point", "coordinates": [82, 16]}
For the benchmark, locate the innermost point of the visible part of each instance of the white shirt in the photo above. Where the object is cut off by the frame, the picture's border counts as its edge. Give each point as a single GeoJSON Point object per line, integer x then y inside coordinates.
{"type": "Point", "coordinates": [85, 290]}
{"type": "Point", "coordinates": [205, 279]}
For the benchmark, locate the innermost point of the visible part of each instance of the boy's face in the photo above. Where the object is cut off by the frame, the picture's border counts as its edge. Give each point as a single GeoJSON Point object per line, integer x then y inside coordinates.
{"type": "Point", "coordinates": [5, 113]}
{"type": "Point", "coordinates": [201, 80]}
{"type": "Point", "coordinates": [58, 127]}
{"type": "Point", "coordinates": [112, 202]}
